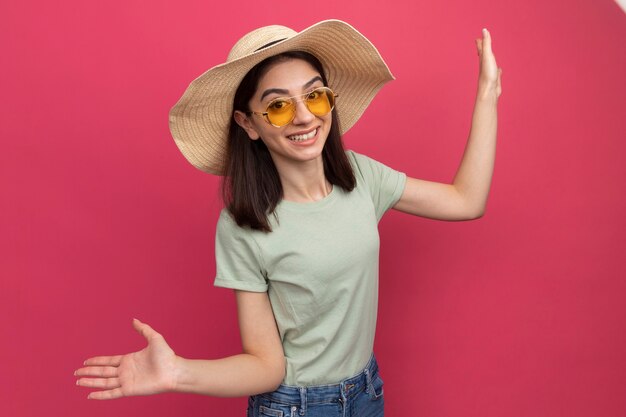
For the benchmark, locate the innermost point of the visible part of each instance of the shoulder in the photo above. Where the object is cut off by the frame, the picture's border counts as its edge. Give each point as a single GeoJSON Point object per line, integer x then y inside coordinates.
{"type": "Point", "coordinates": [225, 219]}
{"type": "Point", "coordinates": [359, 162]}
{"type": "Point", "coordinates": [366, 167]}
{"type": "Point", "coordinates": [355, 157]}
{"type": "Point", "coordinates": [227, 227]}
{"type": "Point", "coordinates": [229, 236]}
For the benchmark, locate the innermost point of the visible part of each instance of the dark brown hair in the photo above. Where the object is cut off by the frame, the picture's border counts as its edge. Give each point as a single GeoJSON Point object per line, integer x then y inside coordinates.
{"type": "Point", "coordinates": [251, 187]}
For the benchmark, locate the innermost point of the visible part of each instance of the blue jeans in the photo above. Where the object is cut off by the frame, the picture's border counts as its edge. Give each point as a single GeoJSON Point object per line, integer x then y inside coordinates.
{"type": "Point", "coordinates": [361, 395]}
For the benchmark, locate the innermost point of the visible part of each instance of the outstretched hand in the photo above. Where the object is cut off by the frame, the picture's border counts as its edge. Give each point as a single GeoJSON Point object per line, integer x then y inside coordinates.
{"type": "Point", "coordinates": [150, 371]}
{"type": "Point", "coordinates": [489, 74]}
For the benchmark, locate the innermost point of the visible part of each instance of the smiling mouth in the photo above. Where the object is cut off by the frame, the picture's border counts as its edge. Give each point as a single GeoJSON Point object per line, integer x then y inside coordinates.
{"type": "Point", "coordinates": [302, 138]}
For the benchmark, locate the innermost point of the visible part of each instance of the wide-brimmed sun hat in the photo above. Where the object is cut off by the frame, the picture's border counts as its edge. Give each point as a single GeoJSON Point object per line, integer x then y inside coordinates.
{"type": "Point", "coordinates": [354, 69]}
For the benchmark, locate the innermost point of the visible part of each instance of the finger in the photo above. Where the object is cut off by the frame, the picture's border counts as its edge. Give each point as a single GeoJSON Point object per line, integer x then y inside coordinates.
{"type": "Point", "coordinates": [102, 371]}
{"type": "Point", "coordinates": [486, 39]}
{"type": "Point", "coordinates": [106, 395]}
{"type": "Point", "coordinates": [104, 360]}
{"type": "Point", "coordinates": [144, 329]}
{"type": "Point", "coordinates": [105, 383]}
{"type": "Point", "coordinates": [479, 46]}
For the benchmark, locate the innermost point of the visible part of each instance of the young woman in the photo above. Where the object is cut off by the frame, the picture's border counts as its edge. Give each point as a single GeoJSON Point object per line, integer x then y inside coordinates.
{"type": "Point", "coordinates": [298, 238]}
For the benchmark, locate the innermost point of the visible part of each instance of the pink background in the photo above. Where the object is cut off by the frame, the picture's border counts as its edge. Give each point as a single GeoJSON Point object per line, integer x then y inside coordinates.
{"type": "Point", "coordinates": [520, 313]}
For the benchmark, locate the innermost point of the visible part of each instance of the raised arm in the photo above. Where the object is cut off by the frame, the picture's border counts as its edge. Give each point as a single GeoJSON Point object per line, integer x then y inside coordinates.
{"type": "Point", "coordinates": [156, 368]}
{"type": "Point", "coordinates": [466, 197]}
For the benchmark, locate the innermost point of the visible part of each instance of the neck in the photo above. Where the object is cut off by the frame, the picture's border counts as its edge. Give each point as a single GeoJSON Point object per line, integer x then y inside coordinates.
{"type": "Point", "coordinates": [304, 182]}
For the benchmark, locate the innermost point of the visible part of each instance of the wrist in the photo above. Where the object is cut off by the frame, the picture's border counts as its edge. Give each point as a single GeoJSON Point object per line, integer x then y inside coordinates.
{"type": "Point", "coordinates": [487, 93]}
{"type": "Point", "coordinates": [178, 374]}
{"type": "Point", "coordinates": [487, 90]}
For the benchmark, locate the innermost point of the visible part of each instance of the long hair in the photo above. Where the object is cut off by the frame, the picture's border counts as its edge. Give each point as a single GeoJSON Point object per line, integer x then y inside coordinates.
{"type": "Point", "coordinates": [251, 186]}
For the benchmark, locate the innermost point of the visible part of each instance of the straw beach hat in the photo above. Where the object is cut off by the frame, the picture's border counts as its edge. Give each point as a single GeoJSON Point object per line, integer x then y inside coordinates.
{"type": "Point", "coordinates": [355, 70]}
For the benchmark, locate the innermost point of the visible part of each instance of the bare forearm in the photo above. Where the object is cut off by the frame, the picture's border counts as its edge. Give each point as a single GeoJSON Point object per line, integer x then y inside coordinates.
{"type": "Point", "coordinates": [234, 376]}
{"type": "Point", "coordinates": [473, 179]}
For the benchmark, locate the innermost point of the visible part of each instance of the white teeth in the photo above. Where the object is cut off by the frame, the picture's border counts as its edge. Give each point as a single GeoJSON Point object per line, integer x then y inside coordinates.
{"type": "Point", "coordinates": [300, 138]}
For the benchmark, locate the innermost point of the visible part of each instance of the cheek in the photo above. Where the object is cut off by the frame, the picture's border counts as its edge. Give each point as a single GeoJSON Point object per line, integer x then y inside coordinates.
{"type": "Point", "coordinates": [328, 122]}
{"type": "Point", "coordinates": [268, 133]}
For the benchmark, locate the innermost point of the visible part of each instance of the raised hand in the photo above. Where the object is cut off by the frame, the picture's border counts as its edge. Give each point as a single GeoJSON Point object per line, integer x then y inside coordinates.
{"type": "Point", "coordinates": [152, 370]}
{"type": "Point", "coordinates": [489, 74]}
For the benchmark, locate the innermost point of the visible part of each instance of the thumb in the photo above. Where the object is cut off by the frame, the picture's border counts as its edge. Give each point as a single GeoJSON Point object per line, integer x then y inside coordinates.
{"type": "Point", "coordinates": [144, 329]}
{"type": "Point", "coordinates": [479, 46]}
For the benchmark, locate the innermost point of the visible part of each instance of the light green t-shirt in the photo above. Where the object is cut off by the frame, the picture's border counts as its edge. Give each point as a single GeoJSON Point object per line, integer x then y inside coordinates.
{"type": "Point", "coordinates": [320, 267]}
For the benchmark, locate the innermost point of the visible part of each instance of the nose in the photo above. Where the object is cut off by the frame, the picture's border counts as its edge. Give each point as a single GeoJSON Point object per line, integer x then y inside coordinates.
{"type": "Point", "coordinates": [303, 114]}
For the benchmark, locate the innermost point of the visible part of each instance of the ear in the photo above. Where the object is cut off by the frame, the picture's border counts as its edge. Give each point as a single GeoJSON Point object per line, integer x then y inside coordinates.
{"type": "Point", "coordinates": [242, 120]}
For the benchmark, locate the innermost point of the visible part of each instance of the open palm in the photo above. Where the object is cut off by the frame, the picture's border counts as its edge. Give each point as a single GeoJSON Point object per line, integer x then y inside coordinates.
{"type": "Point", "coordinates": [148, 371]}
{"type": "Point", "coordinates": [489, 73]}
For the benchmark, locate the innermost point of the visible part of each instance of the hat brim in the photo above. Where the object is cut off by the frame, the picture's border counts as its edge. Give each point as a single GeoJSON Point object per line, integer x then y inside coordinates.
{"type": "Point", "coordinates": [199, 121]}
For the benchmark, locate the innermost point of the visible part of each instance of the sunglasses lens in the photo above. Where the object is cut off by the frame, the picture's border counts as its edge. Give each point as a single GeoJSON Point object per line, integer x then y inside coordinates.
{"type": "Point", "coordinates": [280, 112]}
{"type": "Point", "coordinates": [320, 101]}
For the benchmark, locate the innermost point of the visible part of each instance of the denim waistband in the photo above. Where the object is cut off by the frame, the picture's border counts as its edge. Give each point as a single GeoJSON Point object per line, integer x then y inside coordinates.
{"type": "Point", "coordinates": [319, 394]}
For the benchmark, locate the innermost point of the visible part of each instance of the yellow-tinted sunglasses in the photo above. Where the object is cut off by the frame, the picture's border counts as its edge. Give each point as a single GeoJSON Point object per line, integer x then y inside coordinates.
{"type": "Point", "coordinates": [281, 111]}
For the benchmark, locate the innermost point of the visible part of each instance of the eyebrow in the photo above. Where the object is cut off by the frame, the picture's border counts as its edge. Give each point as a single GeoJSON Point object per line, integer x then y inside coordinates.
{"type": "Point", "coordinates": [283, 91]}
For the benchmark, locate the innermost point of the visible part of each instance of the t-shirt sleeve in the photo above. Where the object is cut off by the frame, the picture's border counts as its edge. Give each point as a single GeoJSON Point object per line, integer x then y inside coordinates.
{"type": "Point", "coordinates": [237, 257]}
{"type": "Point", "coordinates": [384, 184]}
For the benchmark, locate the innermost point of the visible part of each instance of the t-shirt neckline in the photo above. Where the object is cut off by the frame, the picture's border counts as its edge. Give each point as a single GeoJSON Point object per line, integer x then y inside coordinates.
{"type": "Point", "coordinates": [310, 205]}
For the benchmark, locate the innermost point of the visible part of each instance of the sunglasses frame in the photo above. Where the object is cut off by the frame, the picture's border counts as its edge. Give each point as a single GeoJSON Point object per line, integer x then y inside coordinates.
{"type": "Point", "coordinates": [302, 98]}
